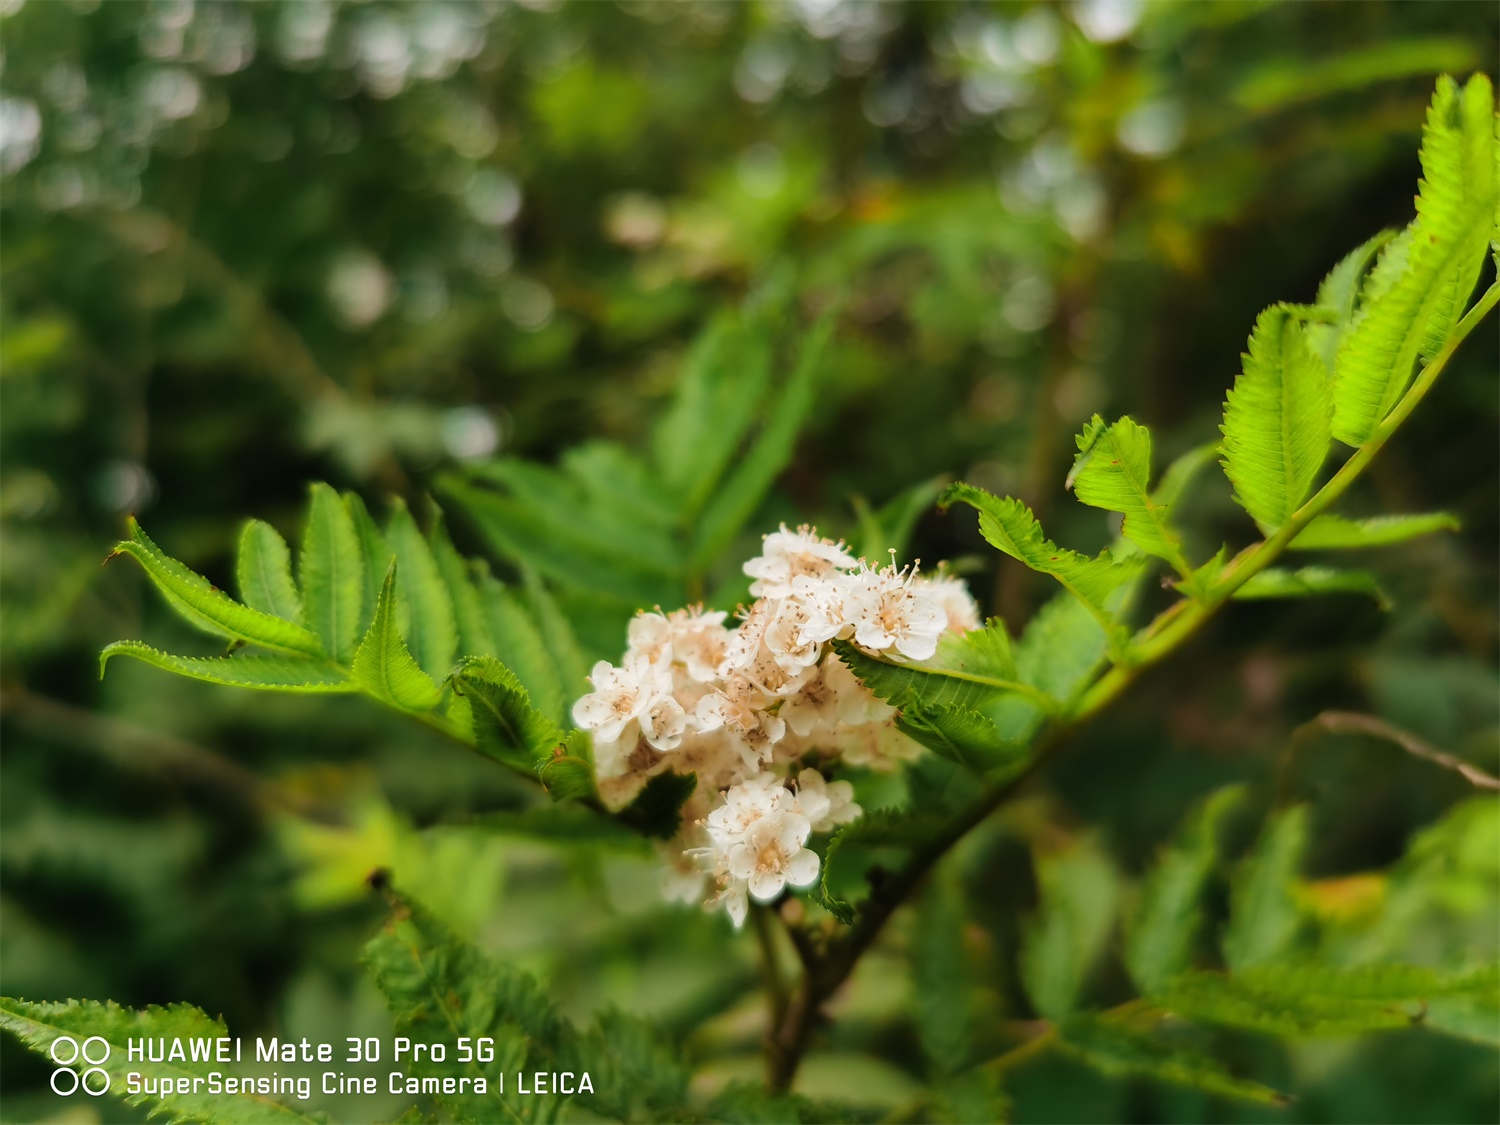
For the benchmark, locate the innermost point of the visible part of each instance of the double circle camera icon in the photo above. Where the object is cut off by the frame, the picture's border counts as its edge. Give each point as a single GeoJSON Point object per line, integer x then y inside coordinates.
{"type": "Point", "coordinates": [65, 1051]}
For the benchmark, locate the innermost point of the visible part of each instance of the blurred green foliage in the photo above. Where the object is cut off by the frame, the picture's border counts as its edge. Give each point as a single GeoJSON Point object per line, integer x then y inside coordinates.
{"type": "Point", "coordinates": [248, 245]}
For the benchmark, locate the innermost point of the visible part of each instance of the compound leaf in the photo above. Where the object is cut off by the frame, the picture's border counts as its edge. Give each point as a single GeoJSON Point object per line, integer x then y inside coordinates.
{"type": "Point", "coordinates": [40, 1025]}
{"type": "Point", "coordinates": [201, 604]}
{"type": "Point", "coordinates": [332, 572]}
{"type": "Point", "coordinates": [1276, 420]}
{"type": "Point", "coordinates": [263, 568]}
{"type": "Point", "coordinates": [384, 666]}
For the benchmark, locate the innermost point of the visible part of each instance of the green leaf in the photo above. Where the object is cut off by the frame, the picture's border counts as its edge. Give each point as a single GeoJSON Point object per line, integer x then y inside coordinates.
{"type": "Point", "coordinates": [750, 1103]}
{"type": "Point", "coordinates": [432, 634]}
{"type": "Point", "coordinates": [474, 637]}
{"type": "Point", "coordinates": [722, 387]}
{"type": "Point", "coordinates": [560, 546]}
{"type": "Point", "coordinates": [1113, 471]}
{"type": "Point", "coordinates": [384, 666]}
{"type": "Point", "coordinates": [506, 726]}
{"type": "Point", "coordinates": [39, 1025]}
{"type": "Point", "coordinates": [263, 568]}
{"type": "Point", "coordinates": [657, 809]}
{"type": "Point", "coordinates": [376, 555]}
{"type": "Point", "coordinates": [884, 835]}
{"type": "Point", "coordinates": [264, 671]}
{"type": "Point", "coordinates": [332, 573]}
{"type": "Point", "coordinates": [440, 988]}
{"type": "Point", "coordinates": [889, 527]}
{"type": "Point", "coordinates": [1276, 420]}
{"type": "Point", "coordinates": [942, 984]}
{"type": "Point", "coordinates": [1338, 533]}
{"type": "Point", "coordinates": [1063, 939]}
{"type": "Point", "coordinates": [518, 638]}
{"type": "Point", "coordinates": [1009, 525]}
{"type": "Point", "coordinates": [1264, 920]}
{"type": "Point", "coordinates": [1416, 291]}
{"type": "Point", "coordinates": [745, 487]}
{"type": "Point", "coordinates": [198, 602]}
{"type": "Point", "coordinates": [1338, 294]}
{"type": "Point", "coordinates": [1301, 1000]}
{"type": "Point", "coordinates": [1061, 648]}
{"type": "Point", "coordinates": [1160, 940]}
{"type": "Point", "coordinates": [945, 709]}
{"type": "Point", "coordinates": [557, 636]}
{"type": "Point", "coordinates": [1312, 581]}
{"type": "Point", "coordinates": [1181, 473]}
{"type": "Point", "coordinates": [1120, 1051]}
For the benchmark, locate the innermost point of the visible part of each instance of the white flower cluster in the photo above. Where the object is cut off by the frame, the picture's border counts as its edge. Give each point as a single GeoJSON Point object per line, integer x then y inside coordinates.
{"type": "Point", "coordinates": [746, 708]}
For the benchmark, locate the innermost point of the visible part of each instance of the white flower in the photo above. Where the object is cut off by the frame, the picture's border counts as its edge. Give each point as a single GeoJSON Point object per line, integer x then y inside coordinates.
{"type": "Point", "coordinates": [688, 637]}
{"type": "Point", "coordinates": [750, 659]}
{"type": "Point", "coordinates": [889, 610]}
{"type": "Point", "coordinates": [682, 879]}
{"type": "Point", "coordinates": [825, 804]}
{"type": "Point", "coordinates": [956, 601]}
{"type": "Point", "coordinates": [787, 555]}
{"type": "Point", "coordinates": [876, 746]}
{"type": "Point", "coordinates": [637, 693]}
{"type": "Point", "coordinates": [832, 699]}
{"type": "Point", "coordinates": [756, 844]}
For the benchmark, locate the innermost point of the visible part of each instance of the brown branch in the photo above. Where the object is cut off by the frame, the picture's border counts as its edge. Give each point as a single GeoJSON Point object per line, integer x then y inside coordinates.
{"type": "Point", "coordinates": [825, 973]}
{"type": "Point", "coordinates": [1355, 723]}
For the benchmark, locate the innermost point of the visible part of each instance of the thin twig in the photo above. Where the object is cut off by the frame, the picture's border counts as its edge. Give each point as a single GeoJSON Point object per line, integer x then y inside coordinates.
{"type": "Point", "coordinates": [1353, 722]}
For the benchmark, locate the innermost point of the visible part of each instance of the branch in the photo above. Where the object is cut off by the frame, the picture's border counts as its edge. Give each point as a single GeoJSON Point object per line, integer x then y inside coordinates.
{"type": "Point", "coordinates": [1167, 633]}
{"type": "Point", "coordinates": [1352, 722]}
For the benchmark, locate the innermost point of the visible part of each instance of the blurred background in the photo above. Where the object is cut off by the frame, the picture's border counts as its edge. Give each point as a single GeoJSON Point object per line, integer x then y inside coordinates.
{"type": "Point", "coordinates": [250, 245]}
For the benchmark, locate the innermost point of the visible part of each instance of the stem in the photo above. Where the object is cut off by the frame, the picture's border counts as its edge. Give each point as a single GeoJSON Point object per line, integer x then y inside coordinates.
{"type": "Point", "coordinates": [1172, 628]}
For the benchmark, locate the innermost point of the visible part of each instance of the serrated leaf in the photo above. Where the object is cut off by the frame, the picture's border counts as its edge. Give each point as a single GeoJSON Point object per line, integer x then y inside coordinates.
{"type": "Point", "coordinates": [474, 638]}
{"type": "Point", "coordinates": [1412, 299]}
{"type": "Point", "coordinates": [1160, 940]}
{"type": "Point", "coordinates": [942, 984]}
{"type": "Point", "coordinates": [1063, 939]}
{"type": "Point", "coordinates": [264, 671]}
{"type": "Point", "coordinates": [1113, 471]}
{"type": "Point", "coordinates": [1310, 582]}
{"type": "Point", "coordinates": [432, 634]}
{"type": "Point", "coordinates": [1061, 648]}
{"type": "Point", "coordinates": [506, 726]}
{"type": "Point", "coordinates": [1276, 420]}
{"type": "Point", "coordinates": [1264, 920]}
{"type": "Point", "coordinates": [198, 602]}
{"type": "Point", "coordinates": [516, 636]}
{"type": "Point", "coordinates": [945, 709]}
{"type": "Point", "coordinates": [722, 386]}
{"type": "Point", "coordinates": [440, 988]}
{"type": "Point", "coordinates": [1009, 525]}
{"type": "Point", "coordinates": [384, 666]}
{"type": "Point", "coordinates": [1301, 1000]}
{"type": "Point", "coordinates": [855, 847]}
{"type": "Point", "coordinates": [557, 636]}
{"type": "Point", "coordinates": [1338, 533]}
{"type": "Point", "coordinates": [376, 556]}
{"type": "Point", "coordinates": [39, 1025]}
{"type": "Point", "coordinates": [263, 568]}
{"type": "Point", "coordinates": [1338, 293]}
{"type": "Point", "coordinates": [556, 546]}
{"type": "Point", "coordinates": [1114, 1049]}
{"type": "Point", "coordinates": [746, 485]}
{"type": "Point", "coordinates": [331, 569]}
